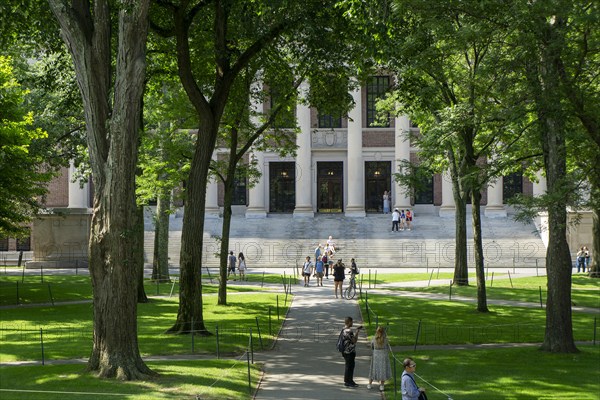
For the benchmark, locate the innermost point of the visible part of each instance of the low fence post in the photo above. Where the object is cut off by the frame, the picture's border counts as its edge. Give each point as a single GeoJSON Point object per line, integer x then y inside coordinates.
{"type": "Point", "coordinates": [192, 331]}
{"type": "Point", "coordinates": [270, 329]}
{"type": "Point", "coordinates": [42, 343]}
{"type": "Point", "coordinates": [251, 346]}
{"type": "Point", "coordinates": [249, 376]}
{"type": "Point", "coordinates": [430, 277]}
{"type": "Point", "coordinates": [418, 333]}
{"type": "Point", "coordinates": [217, 337]}
{"type": "Point", "coordinates": [450, 292]}
{"type": "Point", "coordinates": [277, 297]}
{"type": "Point", "coordinates": [17, 292]}
{"type": "Point", "coordinates": [541, 303]}
{"type": "Point", "coordinates": [510, 279]}
{"type": "Point", "coordinates": [50, 292]}
{"type": "Point", "coordinates": [594, 340]}
{"type": "Point", "coordinates": [259, 336]}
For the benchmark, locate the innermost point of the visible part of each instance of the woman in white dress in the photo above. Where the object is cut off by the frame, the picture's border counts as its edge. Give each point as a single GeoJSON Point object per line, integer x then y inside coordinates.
{"type": "Point", "coordinates": [386, 202]}
{"type": "Point", "coordinates": [380, 361]}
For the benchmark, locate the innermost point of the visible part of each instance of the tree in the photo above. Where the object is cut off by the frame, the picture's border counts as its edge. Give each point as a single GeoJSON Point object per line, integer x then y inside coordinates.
{"type": "Point", "coordinates": [111, 84]}
{"type": "Point", "coordinates": [226, 38]}
{"type": "Point", "coordinates": [22, 178]}
{"type": "Point", "coordinates": [540, 38]}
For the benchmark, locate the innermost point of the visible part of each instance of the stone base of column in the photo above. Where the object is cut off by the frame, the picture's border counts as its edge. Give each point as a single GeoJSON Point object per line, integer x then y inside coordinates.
{"type": "Point", "coordinates": [447, 211]}
{"type": "Point", "coordinates": [401, 207]}
{"type": "Point", "coordinates": [212, 212]}
{"type": "Point", "coordinates": [495, 212]}
{"type": "Point", "coordinates": [256, 212]}
{"type": "Point", "coordinates": [355, 212]}
{"type": "Point", "coordinates": [304, 212]}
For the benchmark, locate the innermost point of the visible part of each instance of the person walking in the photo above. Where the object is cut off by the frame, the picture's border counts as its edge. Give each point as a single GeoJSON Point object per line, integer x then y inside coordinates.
{"type": "Point", "coordinates": [242, 266]}
{"type": "Point", "coordinates": [319, 268]}
{"type": "Point", "coordinates": [307, 270]}
{"type": "Point", "coordinates": [402, 220]}
{"type": "Point", "coordinates": [581, 260]}
{"type": "Point", "coordinates": [395, 219]}
{"type": "Point", "coordinates": [338, 278]}
{"type": "Point", "coordinates": [349, 338]}
{"type": "Point", "coordinates": [381, 369]}
{"type": "Point", "coordinates": [325, 259]}
{"type": "Point", "coordinates": [408, 386]}
{"type": "Point", "coordinates": [586, 256]}
{"type": "Point", "coordinates": [232, 261]}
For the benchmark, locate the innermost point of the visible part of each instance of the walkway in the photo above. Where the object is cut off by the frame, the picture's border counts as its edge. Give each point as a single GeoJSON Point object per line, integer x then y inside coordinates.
{"type": "Point", "coordinates": [304, 364]}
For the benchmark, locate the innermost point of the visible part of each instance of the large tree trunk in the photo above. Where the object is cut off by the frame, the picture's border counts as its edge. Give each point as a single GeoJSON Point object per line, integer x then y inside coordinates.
{"type": "Point", "coordinates": [190, 317]}
{"type": "Point", "coordinates": [112, 106]}
{"type": "Point", "coordinates": [559, 326]}
{"type": "Point", "coordinates": [478, 251]}
{"type": "Point", "coordinates": [160, 262]}
{"type": "Point", "coordinates": [595, 266]}
{"type": "Point", "coordinates": [226, 228]}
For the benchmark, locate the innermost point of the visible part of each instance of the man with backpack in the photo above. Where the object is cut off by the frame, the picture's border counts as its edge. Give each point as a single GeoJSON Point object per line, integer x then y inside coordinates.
{"type": "Point", "coordinates": [347, 346]}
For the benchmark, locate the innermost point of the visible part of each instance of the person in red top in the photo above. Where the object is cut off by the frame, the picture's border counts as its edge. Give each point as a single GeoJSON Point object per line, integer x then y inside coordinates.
{"type": "Point", "coordinates": [409, 218]}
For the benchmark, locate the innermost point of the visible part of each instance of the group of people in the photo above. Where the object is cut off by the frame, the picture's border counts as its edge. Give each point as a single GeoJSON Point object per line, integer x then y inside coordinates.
{"type": "Point", "coordinates": [240, 261]}
{"type": "Point", "coordinates": [402, 220]}
{"type": "Point", "coordinates": [583, 259]}
{"type": "Point", "coordinates": [321, 268]}
{"type": "Point", "coordinates": [380, 369]}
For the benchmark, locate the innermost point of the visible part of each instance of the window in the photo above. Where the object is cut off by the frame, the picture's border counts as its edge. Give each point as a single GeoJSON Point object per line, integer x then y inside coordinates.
{"type": "Point", "coordinates": [424, 193]}
{"type": "Point", "coordinates": [511, 185]}
{"type": "Point", "coordinates": [239, 189]}
{"type": "Point", "coordinates": [377, 87]}
{"type": "Point", "coordinates": [328, 121]}
{"type": "Point", "coordinates": [3, 244]}
{"type": "Point", "coordinates": [24, 244]}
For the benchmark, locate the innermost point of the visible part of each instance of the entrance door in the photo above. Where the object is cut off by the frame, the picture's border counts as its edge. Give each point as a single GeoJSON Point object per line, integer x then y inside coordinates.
{"type": "Point", "coordinates": [330, 187]}
{"type": "Point", "coordinates": [282, 187]}
{"type": "Point", "coordinates": [377, 181]}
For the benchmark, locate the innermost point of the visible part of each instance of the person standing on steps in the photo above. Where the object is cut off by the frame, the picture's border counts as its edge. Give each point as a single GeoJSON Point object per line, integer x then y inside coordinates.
{"type": "Point", "coordinates": [338, 278]}
{"type": "Point", "coordinates": [381, 369]}
{"type": "Point", "coordinates": [349, 337]}
{"type": "Point", "coordinates": [386, 202]}
{"type": "Point", "coordinates": [395, 219]}
{"type": "Point", "coordinates": [409, 218]}
{"type": "Point", "coordinates": [232, 260]}
{"type": "Point", "coordinates": [409, 388]}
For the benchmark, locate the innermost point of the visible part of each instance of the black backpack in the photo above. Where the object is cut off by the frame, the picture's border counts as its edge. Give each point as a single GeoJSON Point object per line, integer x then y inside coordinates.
{"type": "Point", "coordinates": [340, 342]}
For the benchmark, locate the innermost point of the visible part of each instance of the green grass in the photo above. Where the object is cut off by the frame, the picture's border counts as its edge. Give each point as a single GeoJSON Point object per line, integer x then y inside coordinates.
{"type": "Point", "coordinates": [585, 292]}
{"type": "Point", "coordinates": [67, 329]}
{"type": "Point", "coordinates": [452, 322]}
{"type": "Point", "coordinates": [35, 289]}
{"type": "Point", "coordinates": [506, 374]}
{"type": "Point", "coordinates": [211, 379]}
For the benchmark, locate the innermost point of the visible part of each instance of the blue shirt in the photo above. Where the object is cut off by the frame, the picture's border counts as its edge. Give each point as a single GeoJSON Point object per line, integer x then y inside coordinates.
{"type": "Point", "coordinates": [319, 266]}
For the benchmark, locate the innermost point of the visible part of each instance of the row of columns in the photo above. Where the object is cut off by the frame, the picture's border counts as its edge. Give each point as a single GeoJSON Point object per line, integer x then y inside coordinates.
{"type": "Point", "coordinates": [355, 206]}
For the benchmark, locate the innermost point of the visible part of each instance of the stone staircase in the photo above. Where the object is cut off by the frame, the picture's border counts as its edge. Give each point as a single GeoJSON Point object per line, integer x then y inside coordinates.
{"type": "Point", "coordinates": [282, 241]}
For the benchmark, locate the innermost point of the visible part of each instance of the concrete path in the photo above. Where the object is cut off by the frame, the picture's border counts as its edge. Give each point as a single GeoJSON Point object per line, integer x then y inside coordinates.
{"type": "Point", "coordinates": [304, 363]}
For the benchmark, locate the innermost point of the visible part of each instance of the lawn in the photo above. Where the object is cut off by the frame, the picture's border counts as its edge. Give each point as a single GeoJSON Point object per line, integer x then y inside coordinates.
{"type": "Point", "coordinates": [506, 374]}
{"type": "Point", "coordinates": [66, 331]}
{"type": "Point", "coordinates": [210, 379]}
{"type": "Point", "coordinates": [453, 322]}
{"type": "Point", "coordinates": [36, 289]}
{"type": "Point", "coordinates": [585, 292]}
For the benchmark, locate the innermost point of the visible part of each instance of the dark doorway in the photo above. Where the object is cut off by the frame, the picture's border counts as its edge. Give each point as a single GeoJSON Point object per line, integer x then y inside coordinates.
{"type": "Point", "coordinates": [377, 181]}
{"type": "Point", "coordinates": [424, 192]}
{"type": "Point", "coordinates": [282, 187]}
{"type": "Point", "coordinates": [330, 187]}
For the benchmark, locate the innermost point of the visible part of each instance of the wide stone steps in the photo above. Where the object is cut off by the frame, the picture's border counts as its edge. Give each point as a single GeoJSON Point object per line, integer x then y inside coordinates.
{"type": "Point", "coordinates": [284, 241]}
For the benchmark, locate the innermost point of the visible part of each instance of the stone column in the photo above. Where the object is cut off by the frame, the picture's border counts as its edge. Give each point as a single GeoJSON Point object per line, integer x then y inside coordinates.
{"type": "Point", "coordinates": [79, 195]}
{"type": "Point", "coordinates": [304, 185]}
{"type": "Point", "coordinates": [541, 220]}
{"type": "Point", "coordinates": [256, 202]}
{"type": "Point", "coordinates": [495, 200]}
{"type": "Point", "coordinates": [448, 207]}
{"type": "Point", "coordinates": [401, 196]}
{"type": "Point", "coordinates": [355, 207]}
{"type": "Point", "coordinates": [256, 194]}
{"type": "Point", "coordinates": [211, 207]}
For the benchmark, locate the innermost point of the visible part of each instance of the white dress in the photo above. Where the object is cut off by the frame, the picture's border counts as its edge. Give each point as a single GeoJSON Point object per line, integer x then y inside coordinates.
{"type": "Point", "coordinates": [381, 369]}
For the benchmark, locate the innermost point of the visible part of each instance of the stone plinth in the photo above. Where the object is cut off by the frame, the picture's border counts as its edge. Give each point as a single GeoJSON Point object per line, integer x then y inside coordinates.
{"type": "Point", "coordinates": [60, 239]}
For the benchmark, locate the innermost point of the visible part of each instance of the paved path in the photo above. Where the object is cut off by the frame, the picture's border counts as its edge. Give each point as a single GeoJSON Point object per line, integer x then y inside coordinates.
{"type": "Point", "coordinates": [304, 363]}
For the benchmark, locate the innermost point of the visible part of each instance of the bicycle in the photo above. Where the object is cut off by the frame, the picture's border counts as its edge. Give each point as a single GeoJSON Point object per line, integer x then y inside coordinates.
{"type": "Point", "coordinates": [350, 291]}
